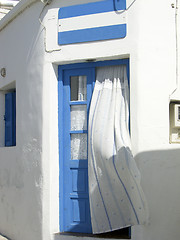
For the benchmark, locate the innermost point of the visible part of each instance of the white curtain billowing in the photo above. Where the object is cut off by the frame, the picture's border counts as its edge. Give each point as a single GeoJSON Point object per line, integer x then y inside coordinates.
{"type": "Point", "coordinates": [116, 197]}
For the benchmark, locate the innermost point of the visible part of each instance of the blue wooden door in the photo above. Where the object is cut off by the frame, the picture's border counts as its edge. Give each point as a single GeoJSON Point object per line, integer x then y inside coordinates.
{"type": "Point", "coordinates": [77, 91]}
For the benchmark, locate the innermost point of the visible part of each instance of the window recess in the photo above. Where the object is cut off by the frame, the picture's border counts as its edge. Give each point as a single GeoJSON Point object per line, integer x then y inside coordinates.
{"type": "Point", "coordinates": [8, 116]}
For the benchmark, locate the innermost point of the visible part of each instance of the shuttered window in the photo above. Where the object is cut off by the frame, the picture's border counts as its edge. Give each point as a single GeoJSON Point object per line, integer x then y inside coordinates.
{"type": "Point", "coordinates": [10, 119]}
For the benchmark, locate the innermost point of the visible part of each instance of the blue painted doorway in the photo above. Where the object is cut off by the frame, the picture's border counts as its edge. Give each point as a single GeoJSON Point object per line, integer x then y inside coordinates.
{"type": "Point", "coordinates": [76, 92]}
{"type": "Point", "coordinates": [75, 87]}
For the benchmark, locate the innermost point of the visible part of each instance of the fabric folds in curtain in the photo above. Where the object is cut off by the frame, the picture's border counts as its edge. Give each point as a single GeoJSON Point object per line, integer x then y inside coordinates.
{"type": "Point", "coordinates": [116, 197]}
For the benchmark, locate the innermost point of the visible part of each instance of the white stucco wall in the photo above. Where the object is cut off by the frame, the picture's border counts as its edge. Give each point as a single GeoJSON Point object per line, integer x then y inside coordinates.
{"type": "Point", "coordinates": [21, 179]}
{"type": "Point", "coordinates": [3, 12]}
{"type": "Point", "coordinates": [29, 172]}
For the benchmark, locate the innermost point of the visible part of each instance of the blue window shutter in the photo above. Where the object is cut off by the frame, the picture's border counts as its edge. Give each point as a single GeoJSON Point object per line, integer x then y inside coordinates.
{"type": "Point", "coordinates": [10, 119]}
{"type": "Point", "coordinates": [14, 118]}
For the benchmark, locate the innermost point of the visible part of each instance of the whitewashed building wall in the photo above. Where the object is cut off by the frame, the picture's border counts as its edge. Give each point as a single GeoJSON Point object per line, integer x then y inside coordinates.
{"type": "Point", "coordinates": [29, 171]}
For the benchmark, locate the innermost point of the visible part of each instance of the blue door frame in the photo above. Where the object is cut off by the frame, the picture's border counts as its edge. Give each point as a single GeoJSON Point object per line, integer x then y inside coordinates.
{"type": "Point", "coordinates": [65, 163]}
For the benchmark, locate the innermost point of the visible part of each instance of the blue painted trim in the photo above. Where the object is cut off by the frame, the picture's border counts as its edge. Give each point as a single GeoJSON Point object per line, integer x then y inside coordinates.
{"type": "Point", "coordinates": [91, 8]}
{"type": "Point", "coordinates": [78, 131]}
{"type": "Point", "coordinates": [95, 64]}
{"type": "Point", "coordinates": [61, 163]}
{"type": "Point", "coordinates": [77, 102]}
{"type": "Point", "coordinates": [92, 34]}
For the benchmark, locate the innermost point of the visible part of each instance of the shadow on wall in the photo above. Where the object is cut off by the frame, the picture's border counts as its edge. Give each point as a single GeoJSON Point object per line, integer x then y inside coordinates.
{"type": "Point", "coordinates": [118, 234]}
{"type": "Point", "coordinates": [160, 180]}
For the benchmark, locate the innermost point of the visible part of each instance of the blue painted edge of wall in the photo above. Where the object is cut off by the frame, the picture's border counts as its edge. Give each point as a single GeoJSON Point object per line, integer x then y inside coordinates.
{"type": "Point", "coordinates": [61, 68]}
{"type": "Point", "coordinates": [91, 8]}
{"type": "Point", "coordinates": [92, 34]}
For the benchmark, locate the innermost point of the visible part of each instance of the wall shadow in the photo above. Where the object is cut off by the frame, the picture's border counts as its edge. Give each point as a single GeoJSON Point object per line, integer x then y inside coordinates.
{"type": "Point", "coordinates": [160, 180]}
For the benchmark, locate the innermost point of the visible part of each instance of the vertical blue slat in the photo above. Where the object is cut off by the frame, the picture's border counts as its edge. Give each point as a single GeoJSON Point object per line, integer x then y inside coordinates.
{"type": "Point", "coordinates": [14, 119]}
{"type": "Point", "coordinates": [61, 152]}
{"type": "Point", "coordinates": [10, 119]}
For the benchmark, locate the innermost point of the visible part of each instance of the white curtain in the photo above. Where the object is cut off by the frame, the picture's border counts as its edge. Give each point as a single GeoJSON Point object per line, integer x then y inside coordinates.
{"type": "Point", "coordinates": [82, 95]}
{"type": "Point", "coordinates": [116, 197]}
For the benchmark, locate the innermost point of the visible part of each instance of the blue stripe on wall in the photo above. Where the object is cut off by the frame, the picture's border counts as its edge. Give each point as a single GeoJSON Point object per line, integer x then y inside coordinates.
{"type": "Point", "coordinates": [91, 8]}
{"type": "Point", "coordinates": [92, 34]}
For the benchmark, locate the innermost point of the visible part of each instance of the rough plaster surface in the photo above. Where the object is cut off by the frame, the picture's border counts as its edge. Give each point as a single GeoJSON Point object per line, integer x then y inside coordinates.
{"type": "Point", "coordinates": [21, 178]}
{"type": "Point", "coordinates": [29, 172]}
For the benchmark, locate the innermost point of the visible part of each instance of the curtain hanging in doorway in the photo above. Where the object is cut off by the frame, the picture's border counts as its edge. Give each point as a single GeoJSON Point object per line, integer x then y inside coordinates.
{"type": "Point", "coordinates": [116, 197]}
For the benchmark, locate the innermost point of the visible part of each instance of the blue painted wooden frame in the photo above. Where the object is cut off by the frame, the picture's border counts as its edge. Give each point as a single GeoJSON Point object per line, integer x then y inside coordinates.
{"type": "Point", "coordinates": [81, 166]}
{"type": "Point", "coordinates": [61, 69]}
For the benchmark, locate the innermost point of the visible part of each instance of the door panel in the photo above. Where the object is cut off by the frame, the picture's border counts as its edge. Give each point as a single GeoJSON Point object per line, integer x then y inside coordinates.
{"type": "Point", "coordinates": [77, 91]}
